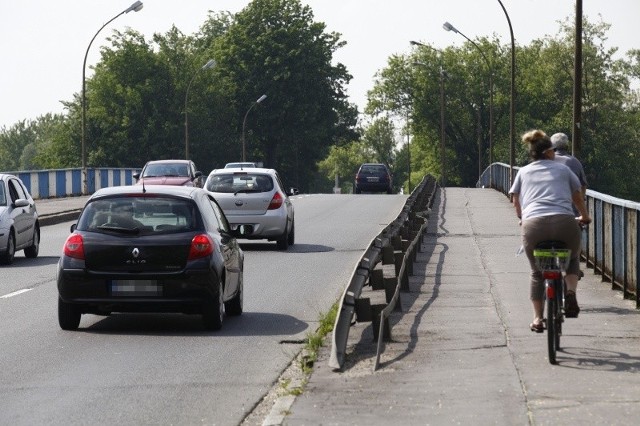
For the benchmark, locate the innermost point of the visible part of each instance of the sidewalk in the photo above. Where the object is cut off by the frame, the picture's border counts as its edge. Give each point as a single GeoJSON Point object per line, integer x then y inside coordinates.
{"type": "Point", "coordinates": [461, 349]}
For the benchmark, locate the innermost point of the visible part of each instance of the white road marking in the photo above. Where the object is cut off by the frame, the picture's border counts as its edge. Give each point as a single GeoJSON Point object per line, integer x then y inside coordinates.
{"type": "Point", "coordinates": [15, 293]}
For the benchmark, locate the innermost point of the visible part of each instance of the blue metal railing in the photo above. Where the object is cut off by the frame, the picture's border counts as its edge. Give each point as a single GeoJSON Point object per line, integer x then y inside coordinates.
{"type": "Point", "coordinates": [68, 182]}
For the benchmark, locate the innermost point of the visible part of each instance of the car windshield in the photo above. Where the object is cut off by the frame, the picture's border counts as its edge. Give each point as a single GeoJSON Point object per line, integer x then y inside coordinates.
{"type": "Point", "coordinates": [139, 215]}
{"type": "Point", "coordinates": [166, 169]}
{"type": "Point", "coordinates": [239, 182]}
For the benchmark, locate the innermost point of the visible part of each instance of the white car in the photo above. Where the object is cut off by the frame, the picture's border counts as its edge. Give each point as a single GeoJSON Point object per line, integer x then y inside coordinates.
{"type": "Point", "coordinates": [255, 199]}
{"type": "Point", "coordinates": [19, 226]}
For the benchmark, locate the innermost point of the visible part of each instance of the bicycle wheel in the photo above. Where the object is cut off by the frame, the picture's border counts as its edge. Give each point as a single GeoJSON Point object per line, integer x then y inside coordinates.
{"type": "Point", "coordinates": [553, 337]}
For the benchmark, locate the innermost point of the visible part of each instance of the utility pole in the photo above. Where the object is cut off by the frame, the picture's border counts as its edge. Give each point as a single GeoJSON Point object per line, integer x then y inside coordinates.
{"type": "Point", "coordinates": [576, 146]}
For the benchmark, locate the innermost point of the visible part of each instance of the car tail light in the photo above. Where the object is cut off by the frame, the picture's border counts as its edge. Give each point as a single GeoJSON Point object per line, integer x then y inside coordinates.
{"type": "Point", "coordinates": [276, 202]}
{"type": "Point", "coordinates": [74, 246]}
{"type": "Point", "coordinates": [201, 246]}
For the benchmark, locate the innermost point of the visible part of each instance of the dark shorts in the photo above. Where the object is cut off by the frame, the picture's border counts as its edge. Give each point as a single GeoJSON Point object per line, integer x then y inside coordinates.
{"type": "Point", "coordinates": [557, 227]}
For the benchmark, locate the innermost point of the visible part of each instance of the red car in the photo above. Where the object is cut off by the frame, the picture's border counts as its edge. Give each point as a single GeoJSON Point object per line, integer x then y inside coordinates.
{"type": "Point", "coordinates": [169, 172]}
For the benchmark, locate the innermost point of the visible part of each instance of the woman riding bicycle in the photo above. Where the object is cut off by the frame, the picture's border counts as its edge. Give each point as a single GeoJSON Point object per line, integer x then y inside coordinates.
{"type": "Point", "coordinates": [542, 194]}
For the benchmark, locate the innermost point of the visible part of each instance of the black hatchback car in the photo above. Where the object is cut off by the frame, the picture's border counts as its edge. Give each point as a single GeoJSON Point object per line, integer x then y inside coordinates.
{"type": "Point", "coordinates": [150, 249]}
{"type": "Point", "coordinates": [373, 177]}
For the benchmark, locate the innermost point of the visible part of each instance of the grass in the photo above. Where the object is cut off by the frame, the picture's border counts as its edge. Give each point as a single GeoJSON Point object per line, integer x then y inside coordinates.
{"type": "Point", "coordinates": [309, 354]}
{"type": "Point", "coordinates": [315, 340]}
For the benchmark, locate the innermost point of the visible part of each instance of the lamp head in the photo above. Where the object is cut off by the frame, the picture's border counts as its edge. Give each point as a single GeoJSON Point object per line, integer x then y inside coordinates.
{"type": "Point", "coordinates": [415, 43]}
{"type": "Point", "coordinates": [136, 7]}
{"type": "Point", "coordinates": [261, 98]}
{"type": "Point", "coordinates": [210, 64]}
{"type": "Point", "coordinates": [447, 26]}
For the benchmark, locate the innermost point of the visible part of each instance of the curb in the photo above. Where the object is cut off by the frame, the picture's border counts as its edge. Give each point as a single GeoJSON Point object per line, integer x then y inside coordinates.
{"type": "Point", "coordinates": [56, 218]}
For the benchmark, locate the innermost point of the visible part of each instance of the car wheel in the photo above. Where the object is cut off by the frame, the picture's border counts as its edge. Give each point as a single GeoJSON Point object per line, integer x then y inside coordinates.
{"type": "Point", "coordinates": [390, 191]}
{"type": "Point", "coordinates": [291, 239]}
{"type": "Point", "coordinates": [358, 190]}
{"type": "Point", "coordinates": [234, 306]}
{"type": "Point", "coordinates": [283, 241]}
{"type": "Point", "coordinates": [34, 248]}
{"type": "Point", "coordinates": [68, 315]}
{"type": "Point", "coordinates": [213, 311]}
{"type": "Point", "coordinates": [10, 252]}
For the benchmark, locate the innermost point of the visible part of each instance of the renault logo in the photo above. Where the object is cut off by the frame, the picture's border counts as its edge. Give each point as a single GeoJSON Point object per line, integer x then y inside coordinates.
{"type": "Point", "coordinates": [135, 261]}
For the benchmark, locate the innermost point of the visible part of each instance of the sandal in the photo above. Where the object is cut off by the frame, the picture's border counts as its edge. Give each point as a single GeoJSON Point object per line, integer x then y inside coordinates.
{"type": "Point", "coordinates": [537, 327]}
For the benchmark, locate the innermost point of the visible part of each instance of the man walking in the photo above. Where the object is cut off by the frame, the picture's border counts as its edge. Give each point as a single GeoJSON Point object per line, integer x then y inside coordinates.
{"type": "Point", "coordinates": [560, 143]}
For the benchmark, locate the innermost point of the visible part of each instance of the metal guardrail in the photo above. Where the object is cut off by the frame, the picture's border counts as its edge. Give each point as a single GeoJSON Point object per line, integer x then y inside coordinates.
{"type": "Point", "coordinates": [410, 223]}
{"type": "Point", "coordinates": [68, 182]}
{"type": "Point", "coordinates": [610, 245]}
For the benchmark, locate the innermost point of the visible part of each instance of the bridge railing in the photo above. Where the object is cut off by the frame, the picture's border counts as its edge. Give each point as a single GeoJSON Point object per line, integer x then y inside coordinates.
{"type": "Point", "coordinates": [609, 245]}
{"type": "Point", "coordinates": [68, 182]}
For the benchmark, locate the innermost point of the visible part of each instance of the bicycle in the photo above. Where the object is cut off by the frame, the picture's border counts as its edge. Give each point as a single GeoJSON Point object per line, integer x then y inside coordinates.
{"type": "Point", "coordinates": [552, 258]}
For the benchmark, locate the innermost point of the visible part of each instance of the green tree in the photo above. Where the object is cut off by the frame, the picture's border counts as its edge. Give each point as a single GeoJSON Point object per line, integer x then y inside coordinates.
{"type": "Point", "coordinates": [544, 91]}
{"type": "Point", "coordinates": [380, 137]}
{"type": "Point", "coordinates": [343, 162]}
{"type": "Point", "coordinates": [274, 47]}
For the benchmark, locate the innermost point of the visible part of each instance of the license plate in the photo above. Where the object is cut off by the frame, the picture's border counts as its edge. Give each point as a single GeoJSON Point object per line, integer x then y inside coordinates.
{"type": "Point", "coordinates": [373, 179]}
{"type": "Point", "coordinates": [135, 288]}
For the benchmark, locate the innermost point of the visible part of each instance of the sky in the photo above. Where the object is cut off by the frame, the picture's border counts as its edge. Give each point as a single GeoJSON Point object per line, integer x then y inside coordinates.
{"type": "Point", "coordinates": [43, 42]}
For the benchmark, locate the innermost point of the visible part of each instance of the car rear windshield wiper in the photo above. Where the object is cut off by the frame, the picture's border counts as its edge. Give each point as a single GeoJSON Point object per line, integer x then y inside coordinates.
{"type": "Point", "coordinates": [246, 190]}
{"type": "Point", "coordinates": [120, 229]}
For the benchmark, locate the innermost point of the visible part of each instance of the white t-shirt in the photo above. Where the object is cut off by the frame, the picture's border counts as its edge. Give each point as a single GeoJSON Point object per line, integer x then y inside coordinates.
{"type": "Point", "coordinates": [544, 188]}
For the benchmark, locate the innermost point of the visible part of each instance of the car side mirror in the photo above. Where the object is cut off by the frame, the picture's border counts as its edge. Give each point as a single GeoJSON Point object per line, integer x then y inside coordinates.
{"type": "Point", "coordinates": [21, 202]}
{"type": "Point", "coordinates": [136, 175]}
{"type": "Point", "coordinates": [73, 227]}
{"type": "Point", "coordinates": [293, 191]}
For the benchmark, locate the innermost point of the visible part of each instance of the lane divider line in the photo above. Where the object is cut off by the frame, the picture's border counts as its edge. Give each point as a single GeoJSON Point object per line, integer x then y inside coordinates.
{"type": "Point", "coordinates": [15, 293]}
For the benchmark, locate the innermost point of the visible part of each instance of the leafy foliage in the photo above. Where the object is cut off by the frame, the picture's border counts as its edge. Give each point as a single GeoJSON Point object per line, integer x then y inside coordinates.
{"type": "Point", "coordinates": [151, 99]}
{"type": "Point", "coordinates": [544, 99]}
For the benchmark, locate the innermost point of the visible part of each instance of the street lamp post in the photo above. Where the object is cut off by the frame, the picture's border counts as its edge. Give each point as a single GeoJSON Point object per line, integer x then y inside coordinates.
{"type": "Point", "coordinates": [244, 123]}
{"type": "Point", "coordinates": [210, 63]}
{"type": "Point", "coordinates": [447, 26]}
{"type": "Point", "coordinates": [512, 109]}
{"type": "Point", "coordinates": [442, 113]}
{"type": "Point", "coordinates": [135, 7]}
{"type": "Point", "coordinates": [576, 146]}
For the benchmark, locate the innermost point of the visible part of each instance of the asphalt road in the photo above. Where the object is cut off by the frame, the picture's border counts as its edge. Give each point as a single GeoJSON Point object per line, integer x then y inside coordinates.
{"type": "Point", "coordinates": [166, 369]}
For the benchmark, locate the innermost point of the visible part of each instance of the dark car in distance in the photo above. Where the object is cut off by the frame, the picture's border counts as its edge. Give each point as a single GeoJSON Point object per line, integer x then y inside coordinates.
{"type": "Point", "coordinates": [150, 249]}
{"type": "Point", "coordinates": [373, 177]}
{"type": "Point", "coordinates": [169, 172]}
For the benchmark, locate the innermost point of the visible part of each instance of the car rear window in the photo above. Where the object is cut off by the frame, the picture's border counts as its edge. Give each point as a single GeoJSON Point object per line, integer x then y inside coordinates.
{"type": "Point", "coordinates": [239, 182]}
{"type": "Point", "coordinates": [139, 215]}
{"type": "Point", "coordinates": [373, 169]}
{"type": "Point", "coordinates": [166, 169]}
